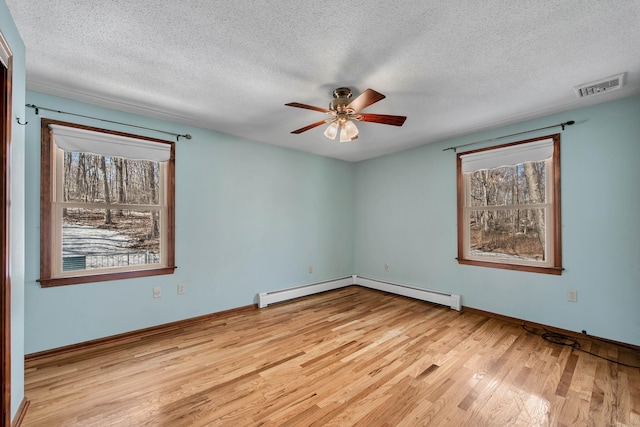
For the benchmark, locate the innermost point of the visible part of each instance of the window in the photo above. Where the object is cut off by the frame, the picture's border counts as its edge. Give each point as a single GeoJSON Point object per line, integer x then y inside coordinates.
{"type": "Point", "coordinates": [509, 206]}
{"type": "Point", "coordinates": [107, 205]}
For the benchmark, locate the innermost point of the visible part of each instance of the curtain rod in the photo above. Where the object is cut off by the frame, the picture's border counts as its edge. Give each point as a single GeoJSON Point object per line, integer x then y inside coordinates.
{"type": "Point", "coordinates": [37, 108]}
{"type": "Point", "coordinates": [569, 123]}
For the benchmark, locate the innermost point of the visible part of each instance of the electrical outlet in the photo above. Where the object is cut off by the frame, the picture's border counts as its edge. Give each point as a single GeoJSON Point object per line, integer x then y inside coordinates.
{"type": "Point", "coordinates": [157, 293]}
{"type": "Point", "coordinates": [181, 288]}
{"type": "Point", "coordinates": [572, 296]}
{"type": "Point", "coordinates": [386, 267]}
{"type": "Point", "coordinates": [310, 269]}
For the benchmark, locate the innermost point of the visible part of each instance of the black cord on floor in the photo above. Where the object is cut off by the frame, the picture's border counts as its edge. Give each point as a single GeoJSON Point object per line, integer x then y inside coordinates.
{"type": "Point", "coordinates": [561, 339]}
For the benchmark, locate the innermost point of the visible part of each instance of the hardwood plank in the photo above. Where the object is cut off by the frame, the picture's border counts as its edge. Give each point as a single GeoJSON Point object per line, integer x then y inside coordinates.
{"type": "Point", "coordinates": [352, 356]}
{"type": "Point", "coordinates": [567, 376]}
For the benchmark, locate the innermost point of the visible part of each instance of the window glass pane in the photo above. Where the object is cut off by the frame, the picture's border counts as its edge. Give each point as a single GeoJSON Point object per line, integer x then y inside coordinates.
{"type": "Point", "coordinates": [511, 185]}
{"type": "Point", "coordinates": [88, 242]}
{"type": "Point", "coordinates": [507, 234]}
{"type": "Point", "coordinates": [93, 178]}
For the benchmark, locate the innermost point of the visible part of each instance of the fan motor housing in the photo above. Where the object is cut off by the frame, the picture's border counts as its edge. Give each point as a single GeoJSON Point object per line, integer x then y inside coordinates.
{"type": "Point", "coordinates": [341, 99]}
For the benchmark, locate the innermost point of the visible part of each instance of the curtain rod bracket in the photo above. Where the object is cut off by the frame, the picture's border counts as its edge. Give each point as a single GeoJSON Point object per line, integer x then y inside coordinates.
{"type": "Point", "coordinates": [35, 107]}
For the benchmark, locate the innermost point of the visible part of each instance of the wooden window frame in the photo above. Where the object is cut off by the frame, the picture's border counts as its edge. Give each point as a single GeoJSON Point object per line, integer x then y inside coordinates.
{"type": "Point", "coordinates": [555, 222]}
{"type": "Point", "coordinates": [6, 75]}
{"type": "Point", "coordinates": [47, 159]}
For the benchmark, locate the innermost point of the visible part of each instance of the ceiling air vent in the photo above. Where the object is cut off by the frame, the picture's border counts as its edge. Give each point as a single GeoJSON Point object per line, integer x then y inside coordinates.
{"type": "Point", "coordinates": [603, 85]}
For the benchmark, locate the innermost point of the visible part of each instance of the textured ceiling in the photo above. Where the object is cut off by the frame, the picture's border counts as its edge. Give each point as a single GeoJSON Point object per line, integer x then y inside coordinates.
{"type": "Point", "coordinates": [452, 67]}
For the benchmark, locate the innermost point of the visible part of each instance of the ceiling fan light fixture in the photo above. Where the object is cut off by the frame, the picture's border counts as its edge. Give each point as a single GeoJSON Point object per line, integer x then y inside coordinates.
{"type": "Point", "coordinates": [332, 130]}
{"type": "Point", "coordinates": [344, 111]}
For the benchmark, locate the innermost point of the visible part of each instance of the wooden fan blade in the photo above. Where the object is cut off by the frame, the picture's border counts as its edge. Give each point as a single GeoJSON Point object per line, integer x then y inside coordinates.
{"type": "Point", "coordinates": [384, 119]}
{"type": "Point", "coordinates": [308, 107]}
{"type": "Point", "coordinates": [366, 98]}
{"type": "Point", "coordinates": [311, 126]}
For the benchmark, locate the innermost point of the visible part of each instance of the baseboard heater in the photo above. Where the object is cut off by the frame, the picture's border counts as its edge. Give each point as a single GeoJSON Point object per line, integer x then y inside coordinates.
{"type": "Point", "coordinates": [272, 297]}
{"type": "Point", "coordinates": [437, 297]}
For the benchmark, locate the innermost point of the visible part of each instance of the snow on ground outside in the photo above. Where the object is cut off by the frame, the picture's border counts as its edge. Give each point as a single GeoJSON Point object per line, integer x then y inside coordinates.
{"type": "Point", "coordinates": [85, 240]}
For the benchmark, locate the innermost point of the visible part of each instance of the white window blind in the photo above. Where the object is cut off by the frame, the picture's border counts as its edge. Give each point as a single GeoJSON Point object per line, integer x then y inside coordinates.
{"type": "Point", "coordinates": [5, 52]}
{"type": "Point", "coordinates": [106, 144]}
{"type": "Point", "coordinates": [507, 156]}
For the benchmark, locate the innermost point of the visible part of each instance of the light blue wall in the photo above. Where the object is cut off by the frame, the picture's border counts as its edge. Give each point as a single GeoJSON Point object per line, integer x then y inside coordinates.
{"type": "Point", "coordinates": [10, 33]}
{"type": "Point", "coordinates": [405, 205]}
{"type": "Point", "coordinates": [250, 217]}
{"type": "Point", "coordinates": [253, 217]}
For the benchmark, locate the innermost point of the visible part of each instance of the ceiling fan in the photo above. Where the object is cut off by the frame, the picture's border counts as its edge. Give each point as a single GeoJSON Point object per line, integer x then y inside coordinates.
{"type": "Point", "coordinates": [345, 111]}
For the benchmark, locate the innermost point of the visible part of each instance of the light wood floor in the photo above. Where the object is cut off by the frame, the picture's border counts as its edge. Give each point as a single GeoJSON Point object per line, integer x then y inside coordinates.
{"type": "Point", "coordinates": [351, 357]}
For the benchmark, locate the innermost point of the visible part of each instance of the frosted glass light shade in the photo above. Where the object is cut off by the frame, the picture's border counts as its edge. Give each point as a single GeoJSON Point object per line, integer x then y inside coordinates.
{"type": "Point", "coordinates": [352, 130]}
{"type": "Point", "coordinates": [331, 131]}
{"type": "Point", "coordinates": [344, 136]}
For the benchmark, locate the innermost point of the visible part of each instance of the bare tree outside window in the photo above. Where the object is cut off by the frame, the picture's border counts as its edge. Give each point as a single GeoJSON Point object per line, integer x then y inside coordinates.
{"type": "Point", "coordinates": [98, 238]}
{"type": "Point", "coordinates": [499, 232]}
